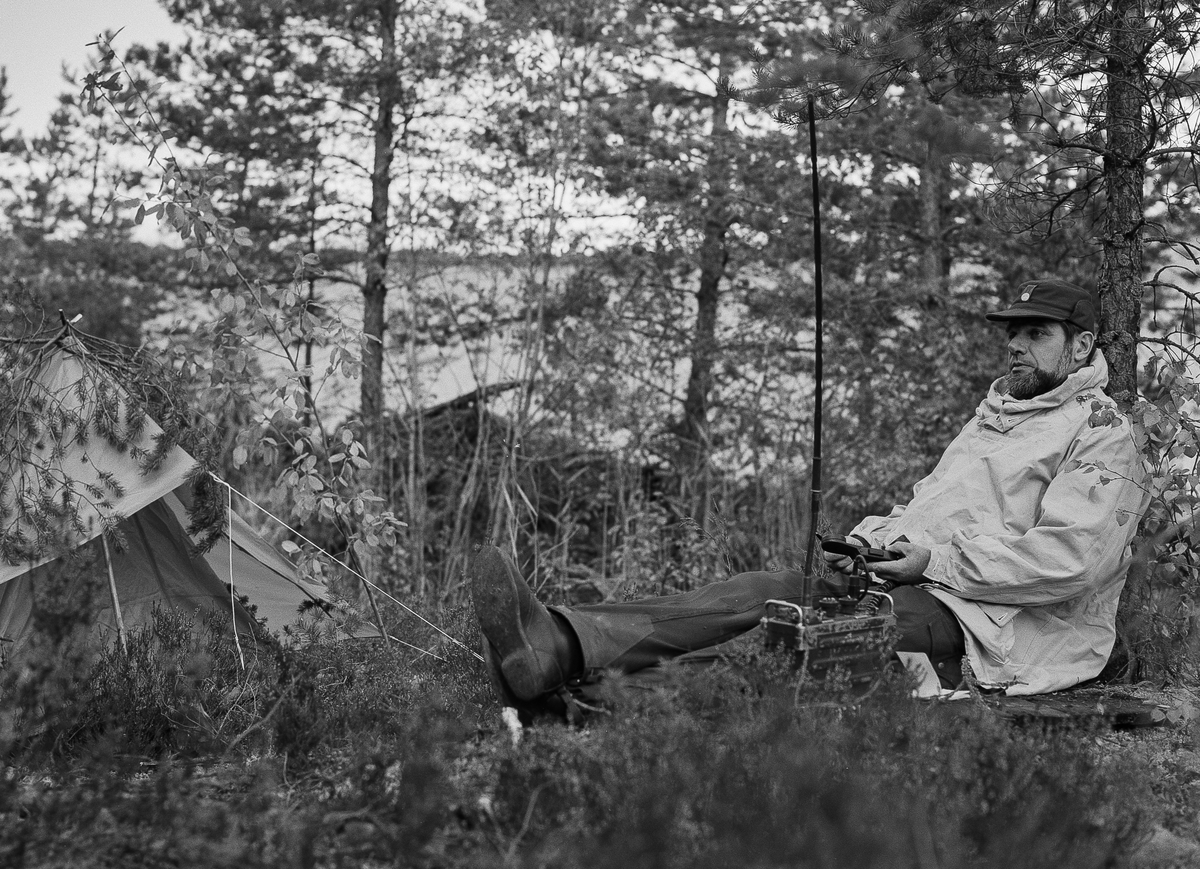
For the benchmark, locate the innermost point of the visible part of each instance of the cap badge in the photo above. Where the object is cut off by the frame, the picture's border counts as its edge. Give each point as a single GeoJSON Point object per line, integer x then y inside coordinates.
{"type": "Point", "coordinates": [1024, 297]}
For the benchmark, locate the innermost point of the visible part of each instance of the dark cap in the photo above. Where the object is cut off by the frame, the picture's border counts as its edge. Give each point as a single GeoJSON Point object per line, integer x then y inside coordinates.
{"type": "Point", "coordinates": [1052, 299]}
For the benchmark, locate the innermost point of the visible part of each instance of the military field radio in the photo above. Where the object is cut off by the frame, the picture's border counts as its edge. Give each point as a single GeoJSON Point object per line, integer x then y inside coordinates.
{"type": "Point", "coordinates": [849, 634]}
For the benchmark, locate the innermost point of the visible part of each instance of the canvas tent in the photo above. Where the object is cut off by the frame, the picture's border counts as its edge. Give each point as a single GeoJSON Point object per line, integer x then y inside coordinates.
{"type": "Point", "coordinates": [85, 448]}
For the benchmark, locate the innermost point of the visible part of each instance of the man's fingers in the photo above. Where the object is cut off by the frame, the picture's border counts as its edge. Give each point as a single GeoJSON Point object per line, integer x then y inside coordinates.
{"type": "Point", "coordinates": [910, 568]}
{"type": "Point", "coordinates": [888, 568]}
{"type": "Point", "coordinates": [891, 568]}
{"type": "Point", "coordinates": [840, 563]}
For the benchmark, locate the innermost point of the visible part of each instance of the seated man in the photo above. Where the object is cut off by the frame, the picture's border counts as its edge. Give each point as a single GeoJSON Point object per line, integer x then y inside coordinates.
{"type": "Point", "coordinates": [1014, 550]}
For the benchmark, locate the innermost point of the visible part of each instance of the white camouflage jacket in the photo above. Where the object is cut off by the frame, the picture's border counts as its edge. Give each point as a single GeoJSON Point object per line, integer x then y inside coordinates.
{"type": "Point", "coordinates": [1030, 547]}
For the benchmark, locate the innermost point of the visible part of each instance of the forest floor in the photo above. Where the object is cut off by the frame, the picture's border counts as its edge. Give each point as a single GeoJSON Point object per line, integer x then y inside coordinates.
{"type": "Point", "coordinates": [373, 757]}
{"type": "Point", "coordinates": [1168, 753]}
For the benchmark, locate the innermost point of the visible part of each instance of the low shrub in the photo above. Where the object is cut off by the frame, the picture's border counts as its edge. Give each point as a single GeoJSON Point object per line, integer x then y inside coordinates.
{"type": "Point", "coordinates": [717, 772]}
{"type": "Point", "coordinates": [345, 754]}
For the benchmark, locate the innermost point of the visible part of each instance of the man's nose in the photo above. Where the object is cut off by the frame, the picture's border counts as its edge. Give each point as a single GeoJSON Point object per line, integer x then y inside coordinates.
{"type": "Point", "coordinates": [1016, 346]}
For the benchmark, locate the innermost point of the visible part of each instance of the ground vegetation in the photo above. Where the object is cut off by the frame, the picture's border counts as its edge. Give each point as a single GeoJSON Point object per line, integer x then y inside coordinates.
{"type": "Point", "coordinates": [605, 198]}
{"type": "Point", "coordinates": [352, 754]}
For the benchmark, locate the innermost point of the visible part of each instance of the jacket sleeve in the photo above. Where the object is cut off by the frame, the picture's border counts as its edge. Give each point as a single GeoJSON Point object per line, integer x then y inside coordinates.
{"type": "Point", "coordinates": [1087, 519]}
{"type": "Point", "coordinates": [877, 530]}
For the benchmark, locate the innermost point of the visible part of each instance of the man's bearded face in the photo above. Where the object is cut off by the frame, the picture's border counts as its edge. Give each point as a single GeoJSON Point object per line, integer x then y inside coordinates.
{"type": "Point", "coordinates": [1039, 357]}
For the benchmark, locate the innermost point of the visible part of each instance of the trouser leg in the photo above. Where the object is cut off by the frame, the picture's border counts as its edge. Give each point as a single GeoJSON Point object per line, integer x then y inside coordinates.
{"type": "Point", "coordinates": [928, 625]}
{"type": "Point", "coordinates": [641, 633]}
{"type": "Point", "coordinates": [637, 634]}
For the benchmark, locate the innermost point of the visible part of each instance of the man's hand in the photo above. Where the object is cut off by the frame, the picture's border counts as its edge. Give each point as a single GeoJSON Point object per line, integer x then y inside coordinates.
{"type": "Point", "coordinates": [908, 570]}
{"type": "Point", "coordinates": [840, 563]}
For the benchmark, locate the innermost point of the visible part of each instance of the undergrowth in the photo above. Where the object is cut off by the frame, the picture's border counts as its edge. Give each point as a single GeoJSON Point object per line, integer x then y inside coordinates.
{"type": "Point", "coordinates": [724, 769]}
{"type": "Point", "coordinates": [357, 754]}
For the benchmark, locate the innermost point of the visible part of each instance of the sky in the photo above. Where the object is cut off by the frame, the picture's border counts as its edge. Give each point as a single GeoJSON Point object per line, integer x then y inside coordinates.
{"type": "Point", "coordinates": [38, 36]}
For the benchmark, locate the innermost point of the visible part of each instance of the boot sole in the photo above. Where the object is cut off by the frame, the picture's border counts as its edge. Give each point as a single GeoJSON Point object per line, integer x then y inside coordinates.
{"type": "Point", "coordinates": [545, 707]}
{"type": "Point", "coordinates": [498, 608]}
{"type": "Point", "coordinates": [491, 661]}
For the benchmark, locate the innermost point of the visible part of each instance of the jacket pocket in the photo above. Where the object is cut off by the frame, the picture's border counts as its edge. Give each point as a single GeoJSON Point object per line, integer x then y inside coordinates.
{"type": "Point", "coordinates": [1051, 643]}
{"type": "Point", "coordinates": [1000, 614]}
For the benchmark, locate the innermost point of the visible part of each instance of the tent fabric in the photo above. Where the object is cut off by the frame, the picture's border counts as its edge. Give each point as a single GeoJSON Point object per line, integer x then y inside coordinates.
{"type": "Point", "coordinates": [260, 572]}
{"type": "Point", "coordinates": [86, 465]}
{"type": "Point", "coordinates": [158, 568]}
{"type": "Point", "coordinates": [158, 565]}
{"type": "Point", "coordinates": [154, 569]}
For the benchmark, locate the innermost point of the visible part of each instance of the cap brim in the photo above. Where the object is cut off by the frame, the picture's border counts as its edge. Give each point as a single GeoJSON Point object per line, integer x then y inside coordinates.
{"type": "Point", "coordinates": [1028, 312]}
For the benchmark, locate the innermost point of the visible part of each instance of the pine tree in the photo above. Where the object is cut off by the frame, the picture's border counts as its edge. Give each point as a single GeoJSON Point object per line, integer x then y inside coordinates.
{"type": "Point", "coordinates": [330, 109]}
{"type": "Point", "coordinates": [1106, 91]}
{"type": "Point", "coordinates": [662, 128]}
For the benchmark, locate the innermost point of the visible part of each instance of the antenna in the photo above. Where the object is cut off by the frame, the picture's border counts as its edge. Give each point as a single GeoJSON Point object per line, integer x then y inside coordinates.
{"type": "Point", "coordinates": [818, 370]}
{"type": "Point", "coordinates": [846, 636]}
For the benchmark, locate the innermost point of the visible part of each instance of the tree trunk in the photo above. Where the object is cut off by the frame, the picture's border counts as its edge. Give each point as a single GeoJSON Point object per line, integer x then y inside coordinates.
{"type": "Point", "coordinates": [379, 248]}
{"type": "Point", "coordinates": [1120, 281]}
{"type": "Point", "coordinates": [375, 283]}
{"type": "Point", "coordinates": [695, 441]}
{"type": "Point", "coordinates": [935, 255]}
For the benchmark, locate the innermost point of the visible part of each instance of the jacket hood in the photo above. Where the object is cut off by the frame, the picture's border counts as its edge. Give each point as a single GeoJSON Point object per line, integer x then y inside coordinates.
{"type": "Point", "coordinates": [1001, 411]}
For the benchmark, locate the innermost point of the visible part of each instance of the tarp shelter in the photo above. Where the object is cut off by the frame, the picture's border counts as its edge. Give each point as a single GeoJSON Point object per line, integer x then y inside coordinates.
{"type": "Point", "coordinates": [107, 481]}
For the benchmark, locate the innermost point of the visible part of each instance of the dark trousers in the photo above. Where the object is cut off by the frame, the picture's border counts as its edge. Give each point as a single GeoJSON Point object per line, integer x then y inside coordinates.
{"type": "Point", "coordinates": [638, 634]}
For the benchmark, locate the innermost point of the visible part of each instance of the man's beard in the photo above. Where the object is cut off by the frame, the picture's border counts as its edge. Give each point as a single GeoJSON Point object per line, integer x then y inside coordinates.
{"type": "Point", "coordinates": [1026, 382]}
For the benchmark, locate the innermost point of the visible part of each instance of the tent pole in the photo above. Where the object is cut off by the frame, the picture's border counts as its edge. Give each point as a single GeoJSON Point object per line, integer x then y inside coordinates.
{"type": "Point", "coordinates": [112, 590]}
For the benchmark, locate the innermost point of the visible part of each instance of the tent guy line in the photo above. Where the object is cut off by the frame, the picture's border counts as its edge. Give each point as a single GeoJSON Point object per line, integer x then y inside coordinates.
{"type": "Point", "coordinates": [343, 565]}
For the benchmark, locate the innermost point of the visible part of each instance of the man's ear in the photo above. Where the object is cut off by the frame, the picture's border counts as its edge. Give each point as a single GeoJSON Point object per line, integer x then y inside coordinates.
{"type": "Point", "coordinates": [1085, 342]}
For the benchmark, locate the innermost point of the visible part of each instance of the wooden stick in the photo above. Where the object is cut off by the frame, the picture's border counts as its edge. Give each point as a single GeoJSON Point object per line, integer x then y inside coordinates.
{"type": "Point", "coordinates": [112, 589]}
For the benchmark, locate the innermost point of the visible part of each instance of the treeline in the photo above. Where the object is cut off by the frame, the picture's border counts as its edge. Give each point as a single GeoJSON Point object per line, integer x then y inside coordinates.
{"type": "Point", "coordinates": [612, 197]}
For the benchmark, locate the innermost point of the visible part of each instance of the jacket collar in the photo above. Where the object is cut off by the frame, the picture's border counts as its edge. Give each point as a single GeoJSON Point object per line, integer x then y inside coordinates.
{"type": "Point", "coordinates": [1001, 412]}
